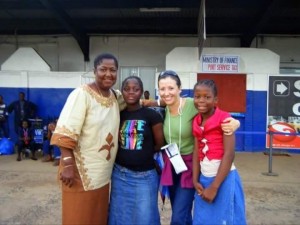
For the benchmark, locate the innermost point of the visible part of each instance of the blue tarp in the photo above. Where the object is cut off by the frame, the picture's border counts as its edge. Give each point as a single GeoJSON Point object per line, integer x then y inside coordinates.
{"type": "Point", "coordinates": [6, 147]}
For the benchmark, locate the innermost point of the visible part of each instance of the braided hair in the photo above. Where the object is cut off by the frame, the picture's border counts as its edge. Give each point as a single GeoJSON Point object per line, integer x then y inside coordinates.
{"type": "Point", "coordinates": [209, 83]}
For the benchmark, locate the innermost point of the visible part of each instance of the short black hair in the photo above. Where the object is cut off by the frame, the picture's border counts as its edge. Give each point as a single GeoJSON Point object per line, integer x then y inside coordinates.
{"type": "Point", "coordinates": [98, 60]}
{"type": "Point", "coordinates": [140, 82]}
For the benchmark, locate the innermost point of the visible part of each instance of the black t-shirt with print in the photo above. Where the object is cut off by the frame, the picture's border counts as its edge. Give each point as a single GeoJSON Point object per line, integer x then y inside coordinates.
{"type": "Point", "coordinates": [136, 141]}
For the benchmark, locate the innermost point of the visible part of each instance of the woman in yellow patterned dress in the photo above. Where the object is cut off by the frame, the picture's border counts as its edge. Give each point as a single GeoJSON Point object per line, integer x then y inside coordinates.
{"type": "Point", "coordinates": [87, 134]}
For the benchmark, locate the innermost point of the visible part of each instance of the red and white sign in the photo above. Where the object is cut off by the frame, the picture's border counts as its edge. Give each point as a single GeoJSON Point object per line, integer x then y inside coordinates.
{"type": "Point", "coordinates": [283, 114]}
{"type": "Point", "coordinates": [220, 64]}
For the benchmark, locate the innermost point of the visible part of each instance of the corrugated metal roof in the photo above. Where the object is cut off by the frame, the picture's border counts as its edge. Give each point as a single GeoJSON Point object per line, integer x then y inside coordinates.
{"type": "Point", "coordinates": [243, 18]}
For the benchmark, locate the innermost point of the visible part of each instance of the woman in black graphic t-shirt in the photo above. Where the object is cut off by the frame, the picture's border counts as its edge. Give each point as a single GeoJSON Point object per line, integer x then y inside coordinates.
{"type": "Point", "coordinates": [134, 189]}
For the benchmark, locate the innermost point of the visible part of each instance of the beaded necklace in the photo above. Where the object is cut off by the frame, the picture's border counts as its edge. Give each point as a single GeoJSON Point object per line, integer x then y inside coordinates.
{"type": "Point", "coordinates": [106, 101]}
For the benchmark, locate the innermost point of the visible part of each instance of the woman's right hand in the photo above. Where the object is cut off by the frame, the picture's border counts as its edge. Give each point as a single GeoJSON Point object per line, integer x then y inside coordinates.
{"type": "Point", "coordinates": [209, 194]}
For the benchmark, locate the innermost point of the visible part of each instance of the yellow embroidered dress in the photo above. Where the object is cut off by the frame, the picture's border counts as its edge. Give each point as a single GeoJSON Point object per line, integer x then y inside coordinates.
{"type": "Point", "coordinates": [88, 124]}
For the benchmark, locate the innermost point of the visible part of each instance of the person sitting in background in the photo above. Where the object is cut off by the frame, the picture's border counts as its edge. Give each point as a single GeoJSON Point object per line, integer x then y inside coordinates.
{"type": "Point", "coordinates": [51, 152]}
{"type": "Point", "coordinates": [3, 119]}
{"type": "Point", "coordinates": [26, 140]}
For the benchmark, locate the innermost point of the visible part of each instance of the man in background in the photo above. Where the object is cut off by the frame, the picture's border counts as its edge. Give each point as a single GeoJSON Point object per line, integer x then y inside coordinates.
{"type": "Point", "coordinates": [23, 110]}
{"type": "Point", "coordinates": [147, 95]}
{"type": "Point", "coordinates": [3, 119]}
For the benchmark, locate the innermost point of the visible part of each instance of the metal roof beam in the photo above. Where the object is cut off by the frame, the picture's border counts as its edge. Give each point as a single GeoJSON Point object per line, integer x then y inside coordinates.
{"type": "Point", "coordinates": [104, 4]}
{"type": "Point", "coordinates": [116, 26]}
{"type": "Point", "coordinates": [108, 4]}
{"type": "Point", "coordinates": [80, 36]}
{"type": "Point", "coordinates": [201, 28]}
{"type": "Point", "coordinates": [262, 21]}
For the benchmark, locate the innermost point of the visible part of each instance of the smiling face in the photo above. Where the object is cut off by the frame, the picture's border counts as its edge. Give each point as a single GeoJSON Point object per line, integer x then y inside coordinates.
{"type": "Point", "coordinates": [132, 91]}
{"type": "Point", "coordinates": [204, 99]}
{"type": "Point", "coordinates": [106, 74]}
{"type": "Point", "coordinates": [169, 91]}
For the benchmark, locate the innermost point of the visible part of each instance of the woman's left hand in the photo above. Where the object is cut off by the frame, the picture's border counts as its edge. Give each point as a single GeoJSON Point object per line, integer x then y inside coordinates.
{"type": "Point", "coordinates": [230, 125]}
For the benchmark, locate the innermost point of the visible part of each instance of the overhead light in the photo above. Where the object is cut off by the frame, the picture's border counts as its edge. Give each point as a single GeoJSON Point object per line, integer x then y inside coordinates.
{"type": "Point", "coordinates": [160, 9]}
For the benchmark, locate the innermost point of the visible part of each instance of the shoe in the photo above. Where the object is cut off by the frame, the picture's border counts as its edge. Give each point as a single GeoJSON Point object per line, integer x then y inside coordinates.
{"type": "Point", "coordinates": [33, 158]}
{"type": "Point", "coordinates": [47, 159]}
{"type": "Point", "coordinates": [19, 158]}
{"type": "Point", "coordinates": [27, 153]}
{"type": "Point", "coordinates": [56, 162]}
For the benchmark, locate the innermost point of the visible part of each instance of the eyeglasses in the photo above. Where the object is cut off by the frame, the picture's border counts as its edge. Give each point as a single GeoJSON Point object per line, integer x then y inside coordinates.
{"type": "Point", "coordinates": [168, 73]}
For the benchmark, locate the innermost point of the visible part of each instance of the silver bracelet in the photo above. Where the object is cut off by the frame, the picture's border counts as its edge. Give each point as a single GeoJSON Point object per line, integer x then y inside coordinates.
{"type": "Point", "coordinates": [68, 166]}
{"type": "Point", "coordinates": [66, 158]}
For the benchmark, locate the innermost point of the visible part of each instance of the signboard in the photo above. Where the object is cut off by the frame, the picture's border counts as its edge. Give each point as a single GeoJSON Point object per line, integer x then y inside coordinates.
{"type": "Point", "coordinates": [284, 111]}
{"type": "Point", "coordinates": [38, 136]}
{"type": "Point", "coordinates": [220, 64]}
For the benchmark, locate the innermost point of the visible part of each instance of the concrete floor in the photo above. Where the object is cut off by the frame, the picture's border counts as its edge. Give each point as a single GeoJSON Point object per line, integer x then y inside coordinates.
{"type": "Point", "coordinates": [29, 192]}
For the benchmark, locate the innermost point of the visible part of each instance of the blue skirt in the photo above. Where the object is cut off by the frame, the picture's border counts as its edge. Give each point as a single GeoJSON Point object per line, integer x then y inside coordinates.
{"type": "Point", "coordinates": [134, 197]}
{"type": "Point", "coordinates": [227, 208]}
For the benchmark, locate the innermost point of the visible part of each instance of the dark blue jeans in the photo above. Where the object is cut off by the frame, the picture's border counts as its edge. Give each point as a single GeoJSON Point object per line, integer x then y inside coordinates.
{"type": "Point", "coordinates": [181, 202]}
{"type": "Point", "coordinates": [4, 132]}
{"type": "Point", "coordinates": [22, 145]}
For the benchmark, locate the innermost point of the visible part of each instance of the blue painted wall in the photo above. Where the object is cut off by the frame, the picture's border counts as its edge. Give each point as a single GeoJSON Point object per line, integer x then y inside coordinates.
{"type": "Point", "coordinates": [49, 101]}
{"type": "Point", "coordinates": [255, 121]}
{"type": "Point", "coordinates": [249, 136]}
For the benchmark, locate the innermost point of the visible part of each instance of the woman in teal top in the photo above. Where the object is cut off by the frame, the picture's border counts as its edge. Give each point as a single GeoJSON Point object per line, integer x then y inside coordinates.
{"type": "Point", "coordinates": [178, 129]}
